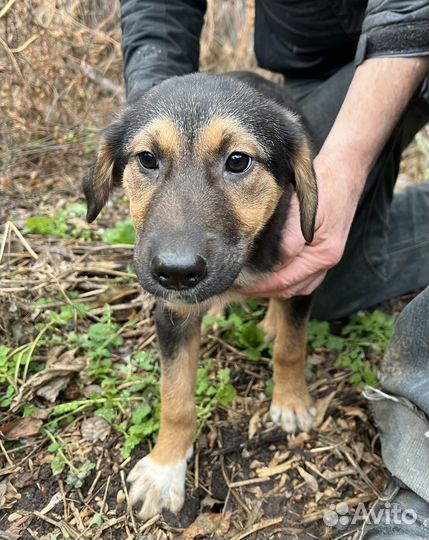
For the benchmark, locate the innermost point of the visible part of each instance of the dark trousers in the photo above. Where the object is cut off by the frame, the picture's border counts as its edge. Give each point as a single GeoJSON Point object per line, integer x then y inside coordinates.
{"type": "Point", "coordinates": [401, 410]}
{"type": "Point", "coordinates": [387, 252]}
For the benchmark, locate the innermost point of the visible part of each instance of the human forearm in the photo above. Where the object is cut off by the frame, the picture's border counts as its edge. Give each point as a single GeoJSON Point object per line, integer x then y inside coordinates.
{"type": "Point", "coordinates": [375, 101]}
{"type": "Point", "coordinates": [159, 40]}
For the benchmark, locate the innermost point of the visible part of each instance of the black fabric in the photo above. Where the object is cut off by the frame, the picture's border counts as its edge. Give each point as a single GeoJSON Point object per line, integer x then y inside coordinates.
{"type": "Point", "coordinates": [299, 38]}
{"type": "Point", "coordinates": [160, 39]}
{"type": "Point", "coordinates": [394, 40]}
{"type": "Point", "coordinates": [306, 38]}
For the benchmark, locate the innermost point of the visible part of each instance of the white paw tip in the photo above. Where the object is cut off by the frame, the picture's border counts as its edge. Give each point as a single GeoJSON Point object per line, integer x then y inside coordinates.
{"type": "Point", "coordinates": [158, 486]}
{"type": "Point", "coordinates": [292, 421]}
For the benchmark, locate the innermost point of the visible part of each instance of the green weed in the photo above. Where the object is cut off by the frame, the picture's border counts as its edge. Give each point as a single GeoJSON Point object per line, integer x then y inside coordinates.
{"type": "Point", "coordinates": [16, 365]}
{"type": "Point", "coordinates": [122, 233]}
{"type": "Point", "coordinates": [130, 382]}
{"type": "Point", "coordinates": [214, 387]}
{"type": "Point", "coordinates": [59, 224]}
{"type": "Point", "coordinates": [366, 335]}
{"type": "Point", "coordinates": [77, 468]}
{"type": "Point", "coordinates": [239, 328]}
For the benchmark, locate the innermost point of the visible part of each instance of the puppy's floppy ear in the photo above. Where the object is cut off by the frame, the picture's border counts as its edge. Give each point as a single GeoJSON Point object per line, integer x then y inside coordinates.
{"type": "Point", "coordinates": [305, 186]}
{"type": "Point", "coordinates": [107, 169]}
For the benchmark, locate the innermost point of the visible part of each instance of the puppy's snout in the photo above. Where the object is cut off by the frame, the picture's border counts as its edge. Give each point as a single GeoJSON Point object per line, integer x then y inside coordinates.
{"type": "Point", "coordinates": [178, 272]}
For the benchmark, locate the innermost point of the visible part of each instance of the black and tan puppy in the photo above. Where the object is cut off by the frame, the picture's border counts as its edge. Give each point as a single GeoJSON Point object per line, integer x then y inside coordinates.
{"type": "Point", "coordinates": [209, 164]}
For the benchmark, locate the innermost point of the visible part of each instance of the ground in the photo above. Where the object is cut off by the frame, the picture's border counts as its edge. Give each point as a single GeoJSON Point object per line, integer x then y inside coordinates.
{"type": "Point", "coordinates": [78, 360]}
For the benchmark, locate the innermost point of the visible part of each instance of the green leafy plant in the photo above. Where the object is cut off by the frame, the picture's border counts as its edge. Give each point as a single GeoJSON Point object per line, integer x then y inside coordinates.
{"type": "Point", "coordinates": [320, 337]}
{"type": "Point", "coordinates": [16, 365]}
{"type": "Point", "coordinates": [214, 387]}
{"type": "Point", "coordinates": [365, 335]}
{"type": "Point", "coordinates": [240, 328]}
{"type": "Point", "coordinates": [7, 370]}
{"type": "Point", "coordinates": [78, 468]}
{"type": "Point", "coordinates": [122, 233]}
{"type": "Point", "coordinates": [60, 224]}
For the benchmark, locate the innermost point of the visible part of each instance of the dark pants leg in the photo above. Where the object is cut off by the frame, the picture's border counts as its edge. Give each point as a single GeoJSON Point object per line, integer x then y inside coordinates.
{"type": "Point", "coordinates": [401, 412]}
{"type": "Point", "coordinates": [387, 253]}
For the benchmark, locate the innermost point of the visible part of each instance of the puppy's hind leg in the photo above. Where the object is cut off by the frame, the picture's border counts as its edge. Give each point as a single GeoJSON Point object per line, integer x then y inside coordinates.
{"type": "Point", "coordinates": [291, 407]}
{"type": "Point", "coordinates": [158, 480]}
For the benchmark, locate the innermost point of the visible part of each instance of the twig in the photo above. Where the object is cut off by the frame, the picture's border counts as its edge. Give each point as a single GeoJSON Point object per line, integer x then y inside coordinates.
{"type": "Point", "coordinates": [6, 455]}
{"type": "Point", "coordinates": [13, 60]}
{"type": "Point", "coordinates": [228, 482]}
{"type": "Point", "coordinates": [149, 523]}
{"type": "Point", "coordinates": [267, 472]}
{"type": "Point", "coordinates": [27, 43]}
{"type": "Point", "coordinates": [257, 527]}
{"type": "Point", "coordinates": [361, 473]}
{"type": "Point", "coordinates": [65, 527]}
{"type": "Point", "coordinates": [104, 83]}
{"type": "Point", "coordinates": [6, 235]}
{"type": "Point", "coordinates": [103, 503]}
{"type": "Point", "coordinates": [248, 482]}
{"type": "Point", "coordinates": [5, 9]}
{"type": "Point", "coordinates": [21, 238]}
{"type": "Point", "coordinates": [314, 516]}
{"type": "Point", "coordinates": [129, 507]}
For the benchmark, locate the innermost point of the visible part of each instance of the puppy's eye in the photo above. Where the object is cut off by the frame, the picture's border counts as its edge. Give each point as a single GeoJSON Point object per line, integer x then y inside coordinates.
{"type": "Point", "coordinates": [238, 162]}
{"type": "Point", "coordinates": [147, 160]}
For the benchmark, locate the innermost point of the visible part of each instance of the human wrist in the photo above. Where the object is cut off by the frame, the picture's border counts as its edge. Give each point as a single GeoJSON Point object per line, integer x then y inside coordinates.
{"type": "Point", "coordinates": [346, 156]}
{"type": "Point", "coordinates": [340, 175]}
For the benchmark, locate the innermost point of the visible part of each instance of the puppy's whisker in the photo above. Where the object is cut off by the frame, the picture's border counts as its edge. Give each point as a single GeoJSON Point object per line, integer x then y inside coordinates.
{"type": "Point", "coordinates": [196, 302]}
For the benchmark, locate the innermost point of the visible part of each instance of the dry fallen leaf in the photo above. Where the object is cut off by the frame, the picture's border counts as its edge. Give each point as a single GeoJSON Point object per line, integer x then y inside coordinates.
{"type": "Point", "coordinates": [254, 424]}
{"type": "Point", "coordinates": [49, 382]}
{"type": "Point", "coordinates": [51, 390]}
{"type": "Point", "coordinates": [95, 429]}
{"type": "Point", "coordinates": [208, 524]}
{"type": "Point", "coordinates": [297, 441]}
{"type": "Point", "coordinates": [355, 411]}
{"type": "Point", "coordinates": [309, 479]}
{"type": "Point", "coordinates": [8, 494]}
{"type": "Point", "coordinates": [22, 428]}
{"type": "Point", "coordinates": [322, 406]}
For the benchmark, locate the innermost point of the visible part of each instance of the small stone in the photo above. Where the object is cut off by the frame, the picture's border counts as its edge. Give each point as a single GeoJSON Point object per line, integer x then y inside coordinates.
{"type": "Point", "coordinates": [120, 497]}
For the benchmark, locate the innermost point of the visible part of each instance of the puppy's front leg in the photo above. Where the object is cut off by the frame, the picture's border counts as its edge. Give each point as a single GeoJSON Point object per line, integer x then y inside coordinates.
{"type": "Point", "coordinates": [291, 407]}
{"type": "Point", "coordinates": [158, 480]}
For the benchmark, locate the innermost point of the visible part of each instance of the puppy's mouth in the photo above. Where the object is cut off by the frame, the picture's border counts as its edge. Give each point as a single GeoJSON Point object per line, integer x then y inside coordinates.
{"type": "Point", "coordinates": [189, 276]}
{"type": "Point", "coordinates": [212, 285]}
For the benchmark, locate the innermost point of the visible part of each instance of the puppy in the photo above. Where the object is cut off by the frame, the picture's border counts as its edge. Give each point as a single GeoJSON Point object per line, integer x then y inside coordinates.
{"type": "Point", "coordinates": [209, 164]}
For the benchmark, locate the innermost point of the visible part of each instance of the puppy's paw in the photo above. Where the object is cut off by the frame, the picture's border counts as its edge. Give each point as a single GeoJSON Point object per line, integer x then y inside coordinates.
{"type": "Point", "coordinates": [157, 486]}
{"type": "Point", "coordinates": [293, 415]}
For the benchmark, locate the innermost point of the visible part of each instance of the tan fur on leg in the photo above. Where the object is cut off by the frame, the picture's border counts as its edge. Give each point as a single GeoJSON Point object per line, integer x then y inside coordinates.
{"type": "Point", "coordinates": [158, 480]}
{"type": "Point", "coordinates": [291, 406]}
{"type": "Point", "coordinates": [178, 415]}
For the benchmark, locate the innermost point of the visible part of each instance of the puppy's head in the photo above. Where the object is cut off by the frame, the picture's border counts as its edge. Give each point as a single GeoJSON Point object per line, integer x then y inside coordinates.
{"type": "Point", "coordinates": [208, 165]}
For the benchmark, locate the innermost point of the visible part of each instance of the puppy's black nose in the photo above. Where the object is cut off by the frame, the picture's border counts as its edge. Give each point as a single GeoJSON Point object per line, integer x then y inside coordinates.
{"type": "Point", "coordinates": [174, 271]}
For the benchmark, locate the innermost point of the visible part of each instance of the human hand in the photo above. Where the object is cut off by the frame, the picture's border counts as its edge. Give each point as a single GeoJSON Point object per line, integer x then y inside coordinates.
{"type": "Point", "coordinates": [303, 267]}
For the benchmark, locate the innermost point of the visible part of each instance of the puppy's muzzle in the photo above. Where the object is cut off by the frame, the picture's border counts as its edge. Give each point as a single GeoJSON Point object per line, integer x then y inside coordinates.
{"type": "Point", "coordinates": [178, 272]}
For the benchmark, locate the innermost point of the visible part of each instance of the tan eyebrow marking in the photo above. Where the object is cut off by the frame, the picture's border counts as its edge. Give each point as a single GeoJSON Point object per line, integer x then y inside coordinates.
{"type": "Point", "coordinates": [161, 132]}
{"type": "Point", "coordinates": [225, 130]}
